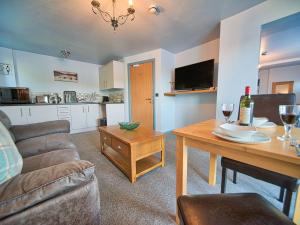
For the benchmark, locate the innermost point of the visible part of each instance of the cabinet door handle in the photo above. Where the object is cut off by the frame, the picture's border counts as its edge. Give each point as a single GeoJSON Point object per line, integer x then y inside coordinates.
{"type": "Point", "coordinates": [119, 147]}
{"type": "Point", "coordinates": [29, 110]}
{"type": "Point", "coordinates": [104, 138]}
{"type": "Point", "coordinates": [88, 108]}
{"type": "Point", "coordinates": [21, 112]}
{"type": "Point", "coordinates": [83, 109]}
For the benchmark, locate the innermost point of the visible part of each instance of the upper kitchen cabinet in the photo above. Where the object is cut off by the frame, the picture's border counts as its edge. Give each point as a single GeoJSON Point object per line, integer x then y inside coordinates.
{"type": "Point", "coordinates": [112, 76]}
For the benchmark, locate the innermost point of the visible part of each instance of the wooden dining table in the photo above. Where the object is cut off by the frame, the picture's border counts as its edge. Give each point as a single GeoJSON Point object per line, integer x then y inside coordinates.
{"type": "Point", "coordinates": [276, 155]}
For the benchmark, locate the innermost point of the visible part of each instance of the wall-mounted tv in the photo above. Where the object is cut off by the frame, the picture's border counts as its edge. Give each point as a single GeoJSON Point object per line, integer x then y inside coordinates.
{"type": "Point", "coordinates": [196, 76]}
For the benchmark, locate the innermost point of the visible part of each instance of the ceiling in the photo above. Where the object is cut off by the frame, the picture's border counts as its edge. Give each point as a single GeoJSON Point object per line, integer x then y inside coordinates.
{"type": "Point", "coordinates": [280, 39]}
{"type": "Point", "coordinates": [48, 26]}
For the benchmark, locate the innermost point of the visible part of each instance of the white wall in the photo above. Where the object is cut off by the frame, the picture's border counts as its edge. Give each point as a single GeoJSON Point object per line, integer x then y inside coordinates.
{"type": "Point", "coordinates": [196, 107]}
{"type": "Point", "coordinates": [164, 64]}
{"type": "Point", "coordinates": [278, 74]}
{"type": "Point", "coordinates": [239, 47]}
{"type": "Point", "coordinates": [6, 56]}
{"type": "Point", "coordinates": [36, 72]}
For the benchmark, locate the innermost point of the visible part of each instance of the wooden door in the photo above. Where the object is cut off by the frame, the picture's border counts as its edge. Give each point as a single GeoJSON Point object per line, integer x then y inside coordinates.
{"type": "Point", "coordinates": [141, 94]}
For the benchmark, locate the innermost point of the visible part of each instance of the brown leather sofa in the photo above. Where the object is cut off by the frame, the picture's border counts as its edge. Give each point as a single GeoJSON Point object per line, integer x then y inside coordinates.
{"type": "Point", "coordinates": [55, 186]}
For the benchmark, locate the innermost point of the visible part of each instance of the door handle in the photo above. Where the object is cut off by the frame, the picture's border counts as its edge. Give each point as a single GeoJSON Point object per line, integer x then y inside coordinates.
{"type": "Point", "coordinates": [21, 112]}
{"type": "Point", "coordinates": [29, 110]}
{"type": "Point", "coordinates": [83, 109]}
{"type": "Point", "coordinates": [148, 99]}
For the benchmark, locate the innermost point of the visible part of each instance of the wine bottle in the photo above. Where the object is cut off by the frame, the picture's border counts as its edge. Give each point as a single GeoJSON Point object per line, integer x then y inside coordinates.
{"type": "Point", "coordinates": [246, 109]}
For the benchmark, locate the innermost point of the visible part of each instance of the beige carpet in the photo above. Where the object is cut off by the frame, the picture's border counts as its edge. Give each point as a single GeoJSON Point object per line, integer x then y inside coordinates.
{"type": "Point", "coordinates": [151, 200]}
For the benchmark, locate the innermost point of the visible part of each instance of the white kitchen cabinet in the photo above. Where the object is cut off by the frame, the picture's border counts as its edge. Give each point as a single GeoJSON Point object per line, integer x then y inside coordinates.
{"type": "Point", "coordinates": [38, 114]}
{"type": "Point", "coordinates": [82, 117]}
{"type": "Point", "coordinates": [20, 115]}
{"type": "Point", "coordinates": [16, 114]}
{"type": "Point", "coordinates": [112, 75]}
{"type": "Point", "coordinates": [115, 113]}
{"type": "Point", "coordinates": [93, 111]}
{"type": "Point", "coordinates": [78, 115]}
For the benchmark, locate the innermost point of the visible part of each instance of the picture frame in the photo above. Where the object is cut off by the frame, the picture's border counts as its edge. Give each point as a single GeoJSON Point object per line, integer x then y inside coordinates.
{"type": "Point", "coordinates": [65, 76]}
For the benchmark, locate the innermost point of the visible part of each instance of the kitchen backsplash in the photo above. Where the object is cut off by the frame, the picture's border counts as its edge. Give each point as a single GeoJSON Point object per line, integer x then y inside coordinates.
{"type": "Point", "coordinates": [114, 96]}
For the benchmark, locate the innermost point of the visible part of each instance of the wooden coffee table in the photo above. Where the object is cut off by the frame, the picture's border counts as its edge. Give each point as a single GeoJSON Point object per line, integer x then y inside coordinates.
{"type": "Point", "coordinates": [133, 152]}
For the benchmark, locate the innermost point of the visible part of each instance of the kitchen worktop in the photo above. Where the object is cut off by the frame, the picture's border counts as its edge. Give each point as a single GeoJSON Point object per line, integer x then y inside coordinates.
{"type": "Point", "coordinates": [74, 103]}
{"type": "Point", "coordinates": [105, 103]}
{"type": "Point", "coordinates": [39, 104]}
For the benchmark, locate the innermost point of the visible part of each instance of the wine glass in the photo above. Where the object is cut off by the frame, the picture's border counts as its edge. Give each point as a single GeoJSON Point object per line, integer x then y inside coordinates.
{"type": "Point", "coordinates": [227, 110]}
{"type": "Point", "coordinates": [289, 115]}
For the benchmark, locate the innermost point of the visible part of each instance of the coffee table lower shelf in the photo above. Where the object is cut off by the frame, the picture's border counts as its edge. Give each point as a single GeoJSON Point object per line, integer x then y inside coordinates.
{"type": "Point", "coordinates": [143, 166]}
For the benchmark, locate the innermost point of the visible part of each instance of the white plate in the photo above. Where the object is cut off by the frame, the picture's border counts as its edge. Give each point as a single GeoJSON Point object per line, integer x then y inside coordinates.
{"type": "Point", "coordinates": [235, 130]}
{"type": "Point", "coordinates": [267, 125]}
{"type": "Point", "coordinates": [257, 138]}
{"type": "Point", "coordinates": [258, 121]}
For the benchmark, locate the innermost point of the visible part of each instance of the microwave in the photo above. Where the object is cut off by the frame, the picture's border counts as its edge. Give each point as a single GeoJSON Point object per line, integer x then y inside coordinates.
{"type": "Point", "coordinates": [14, 95]}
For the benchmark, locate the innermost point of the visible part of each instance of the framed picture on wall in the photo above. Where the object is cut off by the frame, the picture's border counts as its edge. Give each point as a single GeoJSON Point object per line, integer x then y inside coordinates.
{"type": "Point", "coordinates": [283, 87]}
{"type": "Point", "coordinates": [65, 76]}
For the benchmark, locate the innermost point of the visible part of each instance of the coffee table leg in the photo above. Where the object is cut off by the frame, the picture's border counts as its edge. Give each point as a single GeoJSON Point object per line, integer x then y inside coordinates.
{"type": "Point", "coordinates": [162, 152]}
{"type": "Point", "coordinates": [133, 165]}
{"type": "Point", "coordinates": [181, 170]}
{"type": "Point", "coordinates": [101, 143]}
{"type": "Point", "coordinates": [212, 169]}
{"type": "Point", "coordinates": [296, 218]}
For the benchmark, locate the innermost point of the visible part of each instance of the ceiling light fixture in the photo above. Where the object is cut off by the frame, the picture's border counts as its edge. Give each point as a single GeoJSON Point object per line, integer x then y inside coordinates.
{"type": "Point", "coordinates": [65, 53]}
{"type": "Point", "coordinates": [113, 19]}
{"type": "Point", "coordinates": [154, 9]}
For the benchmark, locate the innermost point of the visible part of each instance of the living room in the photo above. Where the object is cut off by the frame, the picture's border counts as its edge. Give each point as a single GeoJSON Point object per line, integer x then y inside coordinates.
{"type": "Point", "coordinates": [73, 73]}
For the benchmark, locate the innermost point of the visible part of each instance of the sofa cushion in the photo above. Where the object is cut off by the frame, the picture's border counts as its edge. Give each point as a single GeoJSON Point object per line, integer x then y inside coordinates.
{"type": "Point", "coordinates": [42, 144]}
{"type": "Point", "coordinates": [49, 159]}
{"type": "Point", "coordinates": [11, 161]}
{"type": "Point", "coordinates": [29, 189]}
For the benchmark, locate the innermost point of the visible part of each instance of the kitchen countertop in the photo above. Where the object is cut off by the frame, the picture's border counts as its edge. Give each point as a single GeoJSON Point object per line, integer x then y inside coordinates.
{"type": "Point", "coordinates": [74, 103]}
{"type": "Point", "coordinates": [29, 104]}
{"type": "Point", "coordinates": [105, 103]}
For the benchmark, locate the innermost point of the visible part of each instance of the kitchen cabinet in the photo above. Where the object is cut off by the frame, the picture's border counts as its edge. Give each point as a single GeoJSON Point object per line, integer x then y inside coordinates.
{"type": "Point", "coordinates": [112, 76]}
{"type": "Point", "coordinates": [84, 116]}
{"type": "Point", "coordinates": [38, 114]}
{"type": "Point", "coordinates": [115, 113]}
{"type": "Point", "coordinates": [16, 114]}
{"type": "Point", "coordinates": [78, 117]}
{"type": "Point", "coordinates": [92, 115]}
{"type": "Point", "coordinates": [20, 115]}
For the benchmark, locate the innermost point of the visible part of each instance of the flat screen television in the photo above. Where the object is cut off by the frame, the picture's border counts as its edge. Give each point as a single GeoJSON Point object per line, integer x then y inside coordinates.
{"type": "Point", "coordinates": [196, 76]}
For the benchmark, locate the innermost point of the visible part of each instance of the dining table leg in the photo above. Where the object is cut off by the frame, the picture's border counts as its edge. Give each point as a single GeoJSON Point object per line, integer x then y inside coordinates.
{"type": "Point", "coordinates": [296, 218]}
{"type": "Point", "coordinates": [212, 177]}
{"type": "Point", "coordinates": [181, 170]}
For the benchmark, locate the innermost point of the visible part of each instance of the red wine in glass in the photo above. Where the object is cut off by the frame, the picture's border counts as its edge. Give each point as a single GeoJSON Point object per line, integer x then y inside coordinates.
{"type": "Point", "coordinates": [227, 110]}
{"type": "Point", "coordinates": [289, 118]}
{"type": "Point", "coordinates": [227, 113]}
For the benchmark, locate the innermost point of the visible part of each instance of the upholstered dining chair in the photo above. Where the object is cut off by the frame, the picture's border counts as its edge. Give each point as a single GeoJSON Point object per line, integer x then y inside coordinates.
{"type": "Point", "coordinates": [265, 106]}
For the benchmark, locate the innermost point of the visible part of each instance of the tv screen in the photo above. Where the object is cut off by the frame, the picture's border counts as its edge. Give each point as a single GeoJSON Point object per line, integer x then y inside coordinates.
{"type": "Point", "coordinates": [196, 76]}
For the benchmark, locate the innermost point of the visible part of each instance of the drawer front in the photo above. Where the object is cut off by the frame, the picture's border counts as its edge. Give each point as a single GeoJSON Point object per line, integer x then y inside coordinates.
{"type": "Point", "coordinates": [63, 109]}
{"type": "Point", "coordinates": [149, 148]}
{"type": "Point", "coordinates": [64, 118]}
{"type": "Point", "coordinates": [121, 147]}
{"type": "Point", "coordinates": [106, 139]}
